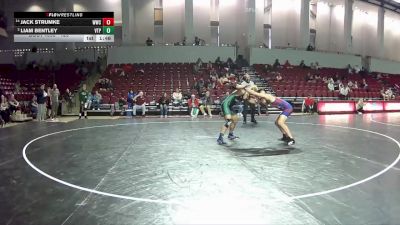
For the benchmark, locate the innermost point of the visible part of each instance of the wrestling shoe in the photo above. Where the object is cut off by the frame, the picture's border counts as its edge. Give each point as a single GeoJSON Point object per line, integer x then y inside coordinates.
{"type": "Point", "coordinates": [232, 137]}
{"type": "Point", "coordinates": [254, 121]}
{"type": "Point", "coordinates": [221, 141]}
{"type": "Point", "coordinates": [284, 138]}
{"type": "Point", "coordinates": [291, 141]}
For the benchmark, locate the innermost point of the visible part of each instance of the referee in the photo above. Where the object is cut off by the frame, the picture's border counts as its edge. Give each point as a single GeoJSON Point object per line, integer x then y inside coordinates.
{"type": "Point", "coordinates": [247, 82]}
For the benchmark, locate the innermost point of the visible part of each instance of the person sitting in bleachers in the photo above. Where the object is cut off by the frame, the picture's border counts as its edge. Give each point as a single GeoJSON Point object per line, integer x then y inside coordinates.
{"type": "Point", "coordinates": [177, 98]}
{"type": "Point", "coordinates": [355, 85]}
{"type": "Point", "coordinates": [13, 104]}
{"type": "Point", "coordinates": [389, 94]}
{"type": "Point", "coordinates": [331, 85]}
{"type": "Point", "coordinates": [17, 87]}
{"type": "Point", "coordinates": [343, 91]}
{"type": "Point", "coordinates": [364, 84]}
{"type": "Point", "coordinates": [34, 107]}
{"type": "Point", "coordinates": [4, 111]}
{"type": "Point", "coordinates": [149, 42]}
{"type": "Point", "coordinates": [287, 65]}
{"type": "Point", "coordinates": [140, 103]}
{"type": "Point", "coordinates": [278, 77]}
{"type": "Point", "coordinates": [349, 69]}
{"type": "Point", "coordinates": [302, 64]}
{"type": "Point", "coordinates": [95, 99]}
{"type": "Point", "coordinates": [164, 103]}
{"type": "Point", "coordinates": [276, 64]}
{"type": "Point", "coordinates": [383, 94]}
{"type": "Point", "coordinates": [308, 105]}
{"type": "Point", "coordinates": [350, 84]}
{"type": "Point", "coordinates": [193, 104]}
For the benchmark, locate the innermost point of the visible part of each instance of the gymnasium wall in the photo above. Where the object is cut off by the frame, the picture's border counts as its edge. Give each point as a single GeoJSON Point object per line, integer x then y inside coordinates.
{"type": "Point", "coordinates": [385, 66]}
{"type": "Point", "coordinates": [169, 54]}
{"type": "Point", "coordinates": [62, 57]}
{"type": "Point", "coordinates": [332, 60]}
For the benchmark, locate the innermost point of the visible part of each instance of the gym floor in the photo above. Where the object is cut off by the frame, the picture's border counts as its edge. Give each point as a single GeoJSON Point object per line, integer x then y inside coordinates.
{"type": "Point", "coordinates": [343, 170]}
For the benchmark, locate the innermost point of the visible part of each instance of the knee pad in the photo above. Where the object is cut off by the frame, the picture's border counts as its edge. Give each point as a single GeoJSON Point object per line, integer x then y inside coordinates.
{"type": "Point", "coordinates": [228, 123]}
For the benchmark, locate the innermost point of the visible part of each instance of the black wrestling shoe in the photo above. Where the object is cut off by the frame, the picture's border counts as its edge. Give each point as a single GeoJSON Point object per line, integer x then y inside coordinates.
{"type": "Point", "coordinates": [254, 121]}
{"type": "Point", "coordinates": [284, 138]}
{"type": "Point", "coordinates": [291, 141]}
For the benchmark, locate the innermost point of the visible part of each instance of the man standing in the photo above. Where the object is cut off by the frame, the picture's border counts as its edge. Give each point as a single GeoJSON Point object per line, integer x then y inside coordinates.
{"type": "Point", "coordinates": [83, 99]}
{"type": "Point", "coordinates": [54, 97]}
{"type": "Point", "coordinates": [41, 100]}
{"type": "Point", "coordinates": [247, 82]}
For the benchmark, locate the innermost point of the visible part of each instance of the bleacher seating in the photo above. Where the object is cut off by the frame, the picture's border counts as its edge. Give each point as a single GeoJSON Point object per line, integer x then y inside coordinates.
{"type": "Point", "coordinates": [65, 77]}
{"type": "Point", "coordinates": [294, 83]}
{"type": "Point", "coordinates": [156, 79]}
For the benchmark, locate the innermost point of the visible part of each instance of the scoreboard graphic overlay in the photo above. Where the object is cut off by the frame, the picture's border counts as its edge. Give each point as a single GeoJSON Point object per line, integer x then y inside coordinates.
{"type": "Point", "coordinates": [63, 26]}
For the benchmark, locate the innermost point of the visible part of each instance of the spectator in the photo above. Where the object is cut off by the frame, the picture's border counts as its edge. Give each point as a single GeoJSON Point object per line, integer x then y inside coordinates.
{"type": "Point", "coordinates": [96, 100]}
{"type": "Point", "coordinates": [331, 85]}
{"type": "Point", "coordinates": [140, 102]}
{"type": "Point", "coordinates": [177, 97]}
{"type": "Point", "coordinates": [184, 41]}
{"type": "Point", "coordinates": [34, 107]}
{"type": "Point", "coordinates": [309, 78]}
{"type": "Point", "coordinates": [360, 106]}
{"type": "Point", "coordinates": [4, 111]}
{"type": "Point", "coordinates": [344, 91]}
{"type": "Point", "coordinates": [389, 94]}
{"type": "Point", "coordinates": [312, 66]}
{"type": "Point", "coordinates": [121, 103]}
{"type": "Point", "coordinates": [308, 105]}
{"type": "Point", "coordinates": [122, 74]}
{"type": "Point", "coordinates": [278, 77]}
{"type": "Point", "coordinates": [364, 84]}
{"type": "Point", "coordinates": [276, 64]}
{"type": "Point", "coordinates": [196, 41]}
{"type": "Point", "coordinates": [325, 80]}
{"type": "Point", "coordinates": [287, 65]}
{"type": "Point", "coordinates": [55, 96]}
{"type": "Point", "coordinates": [41, 96]}
{"type": "Point", "coordinates": [350, 84]}
{"type": "Point", "coordinates": [193, 104]}
{"type": "Point", "coordinates": [149, 42]}
{"type": "Point", "coordinates": [48, 103]}
{"type": "Point", "coordinates": [207, 102]}
{"type": "Point", "coordinates": [302, 64]}
{"type": "Point", "coordinates": [355, 86]}
{"type": "Point", "coordinates": [316, 65]}
{"type": "Point", "coordinates": [17, 87]}
{"type": "Point", "coordinates": [357, 69]}
{"type": "Point", "coordinates": [218, 62]}
{"type": "Point", "coordinates": [68, 100]}
{"type": "Point", "coordinates": [164, 103]}
{"type": "Point", "coordinates": [13, 104]}
{"type": "Point", "coordinates": [209, 66]}
{"type": "Point", "coordinates": [83, 99]}
{"type": "Point", "coordinates": [349, 69]}
{"type": "Point", "coordinates": [129, 99]}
